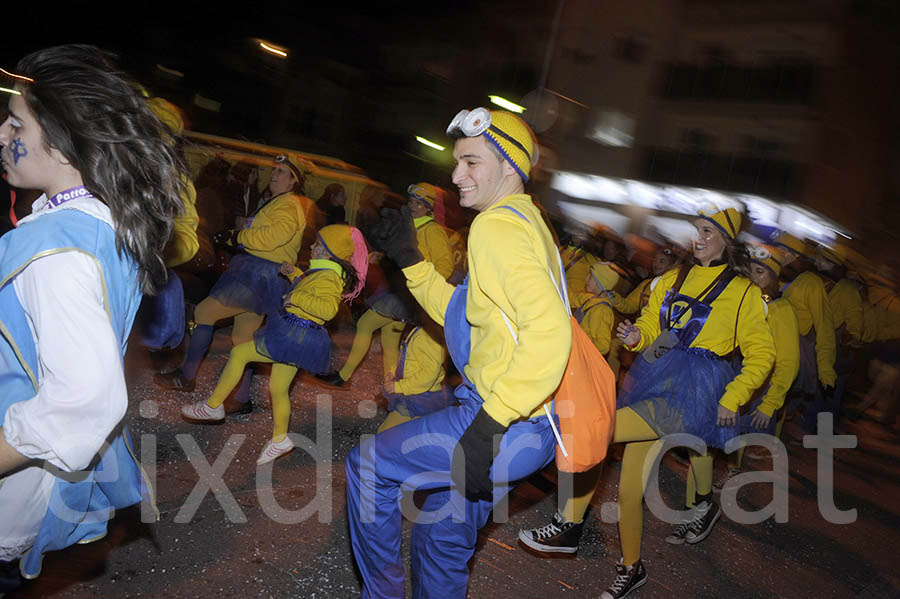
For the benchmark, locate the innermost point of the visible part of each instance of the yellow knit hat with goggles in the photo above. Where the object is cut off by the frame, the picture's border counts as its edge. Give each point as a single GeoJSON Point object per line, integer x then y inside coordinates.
{"type": "Point", "coordinates": [505, 131]}
{"type": "Point", "coordinates": [792, 244]}
{"type": "Point", "coordinates": [728, 221]}
{"type": "Point", "coordinates": [767, 256]}
{"type": "Point", "coordinates": [425, 192]}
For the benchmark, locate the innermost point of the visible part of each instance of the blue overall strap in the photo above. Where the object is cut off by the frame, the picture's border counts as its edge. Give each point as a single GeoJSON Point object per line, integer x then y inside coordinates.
{"type": "Point", "coordinates": [667, 321]}
{"type": "Point", "coordinates": [522, 216]}
{"type": "Point", "coordinates": [404, 345]}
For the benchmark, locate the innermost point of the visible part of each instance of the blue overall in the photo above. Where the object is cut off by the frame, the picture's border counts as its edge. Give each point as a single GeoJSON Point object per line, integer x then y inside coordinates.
{"type": "Point", "coordinates": [418, 404]}
{"type": "Point", "coordinates": [78, 511]}
{"type": "Point", "coordinates": [679, 392]}
{"type": "Point", "coordinates": [416, 455]}
{"type": "Point", "coordinates": [160, 319]}
{"type": "Point", "coordinates": [580, 312]}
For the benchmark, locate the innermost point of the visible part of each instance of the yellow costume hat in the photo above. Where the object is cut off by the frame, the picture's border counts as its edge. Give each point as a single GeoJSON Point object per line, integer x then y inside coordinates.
{"type": "Point", "coordinates": [425, 192]}
{"type": "Point", "coordinates": [728, 221]}
{"type": "Point", "coordinates": [768, 256]}
{"type": "Point", "coordinates": [504, 130]}
{"type": "Point", "coordinates": [792, 244]}
{"type": "Point", "coordinates": [168, 113]}
{"type": "Point", "coordinates": [605, 275]}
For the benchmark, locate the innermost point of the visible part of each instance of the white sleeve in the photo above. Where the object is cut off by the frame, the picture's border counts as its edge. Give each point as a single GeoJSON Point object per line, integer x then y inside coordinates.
{"type": "Point", "coordinates": [82, 394]}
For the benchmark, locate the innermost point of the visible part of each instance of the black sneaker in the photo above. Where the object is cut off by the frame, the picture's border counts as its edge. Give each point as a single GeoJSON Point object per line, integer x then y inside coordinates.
{"type": "Point", "coordinates": [628, 578]}
{"type": "Point", "coordinates": [332, 379]}
{"type": "Point", "coordinates": [557, 537]}
{"type": "Point", "coordinates": [703, 517]}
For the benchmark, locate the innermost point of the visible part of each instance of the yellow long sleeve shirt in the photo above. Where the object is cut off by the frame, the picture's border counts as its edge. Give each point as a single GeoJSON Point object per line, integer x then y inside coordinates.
{"type": "Point", "coordinates": [508, 262]}
{"type": "Point", "coordinates": [846, 307]}
{"type": "Point", "coordinates": [435, 247]}
{"type": "Point", "coordinates": [810, 301]}
{"type": "Point", "coordinates": [881, 315]}
{"type": "Point", "coordinates": [578, 263]}
{"type": "Point", "coordinates": [317, 297]}
{"type": "Point", "coordinates": [184, 244]}
{"type": "Point", "coordinates": [786, 333]}
{"type": "Point", "coordinates": [276, 231]}
{"type": "Point", "coordinates": [718, 334]}
{"type": "Point", "coordinates": [634, 302]}
{"type": "Point", "coordinates": [423, 367]}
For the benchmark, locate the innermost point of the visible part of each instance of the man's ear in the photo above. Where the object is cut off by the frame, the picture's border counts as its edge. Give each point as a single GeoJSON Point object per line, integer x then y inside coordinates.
{"type": "Point", "coordinates": [508, 169]}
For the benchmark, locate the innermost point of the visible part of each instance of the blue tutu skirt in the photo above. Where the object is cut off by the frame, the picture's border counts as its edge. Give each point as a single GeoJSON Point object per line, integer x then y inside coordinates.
{"type": "Point", "coordinates": [160, 318]}
{"type": "Point", "coordinates": [289, 339]}
{"type": "Point", "coordinates": [420, 404]}
{"type": "Point", "coordinates": [680, 393]}
{"type": "Point", "coordinates": [251, 283]}
{"type": "Point", "coordinates": [391, 305]}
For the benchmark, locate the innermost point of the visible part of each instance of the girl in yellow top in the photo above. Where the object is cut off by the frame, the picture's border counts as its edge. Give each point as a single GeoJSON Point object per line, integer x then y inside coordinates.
{"type": "Point", "coordinates": [294, 336]}
{"type": "Point", "coordinates": [635, 301]}
{"type": "Point", "coordinates": [593, 309]}
{"type": "Point", "coordinates": [577, 261]}
{"type": "Point", "coordinates": [691, 388]}
{"type": "Point", "coordinates": [251, 287]}
{"type": "Point", "coordinates": [765, 268]}
{"type": "Point", "coordinates": [388, 310]}
{"type": "Point", "coordinates": [417, 387]}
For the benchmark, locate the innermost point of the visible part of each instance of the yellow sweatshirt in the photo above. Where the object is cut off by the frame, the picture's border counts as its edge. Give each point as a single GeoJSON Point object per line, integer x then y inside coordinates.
{"type": "Point", "coordinates": [435, 246]}
{"type": "Point", "coordinates": [785, 331]}
{"type": "Point", "coordinates": [881, 315]}
{"type": "Point", "coordinates": [508, 262]}
{"type": "Point", "coordinates": [718, 334]}
{"type": "Point", "coordinates": [578, 263]}
{"type": "Point", "coordinates": [846, 307]}
{"type": "Point", "coordinates": [598, 319]}
{"type": "Point", "coordinates": [636, 300]}
{"type": "Point", "coordinates": [318, 296]}
{"type": "Point", "coordinates": [276, 231]}
{"type": "Point", "coordinates": [423, 368]}
{"type": "Point", "coordinates": [810, 301]}
{"type": "Point", "coordinates": [183, 245]}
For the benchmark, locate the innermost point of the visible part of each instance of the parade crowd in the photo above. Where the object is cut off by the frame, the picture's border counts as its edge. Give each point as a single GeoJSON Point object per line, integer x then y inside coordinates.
{"type": "Point", "coordinates": [740, 332]}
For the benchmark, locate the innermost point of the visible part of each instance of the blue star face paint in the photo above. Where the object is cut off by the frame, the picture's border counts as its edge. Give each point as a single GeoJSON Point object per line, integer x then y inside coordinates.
{"type": "Point", "coordinates": [19, 150]}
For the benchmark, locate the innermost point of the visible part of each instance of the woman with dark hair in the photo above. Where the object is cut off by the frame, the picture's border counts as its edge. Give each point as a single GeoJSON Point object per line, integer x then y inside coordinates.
{"type": "Point", "coordinates": [71, 279]}
{"type": "Point", "coordinates": [252, 286]}
{"type": "Point", "coordinates": [332, 204]}
{"type": "Point", "coordinates": [696, 317]}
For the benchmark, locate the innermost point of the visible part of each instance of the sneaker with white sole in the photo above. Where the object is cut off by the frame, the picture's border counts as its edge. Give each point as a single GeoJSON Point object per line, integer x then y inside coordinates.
{"type": "Point", "coordinates": [628, 578]}
{"type": "Point", "coordinates": [273, 451]}
{"type": "Point", "coordinates": [201, 413]}
{"type": "Point", "coordinates": [558, 536]}
{"type": "Point", "coordinates": [724, 478]}
{"type": "Point", "coordinates": [697, 526]}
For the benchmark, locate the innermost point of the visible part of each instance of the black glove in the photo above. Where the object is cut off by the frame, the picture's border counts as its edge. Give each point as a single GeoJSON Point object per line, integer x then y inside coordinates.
{"type": "Point", "coordinates": [473, 456]}
{"type": "Point", "coordinates": [226, 238]}
{"type": "Point", "coordinates": [395, 235]}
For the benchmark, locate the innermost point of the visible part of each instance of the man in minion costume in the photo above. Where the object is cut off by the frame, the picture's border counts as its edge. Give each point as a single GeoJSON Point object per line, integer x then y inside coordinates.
{"type": "Point", "coordinates": [508, 332]}
{"type": "Point", "coordinates": [806, 293]}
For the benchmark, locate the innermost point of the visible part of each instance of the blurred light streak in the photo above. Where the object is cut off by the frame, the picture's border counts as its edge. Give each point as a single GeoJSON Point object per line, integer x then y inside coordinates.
{"type": "Point", "coordinates": [169, 71]}
{"type": "Point", "coordinates": [10, 91]}
{"type": "Point", "coordinates": [22, 77]}
{"type": "Point", "coordinates": [508, 105]}
{"type": "Point", "coordinates": [430, 144]}
{"type": "Point", "coordinates": [566, 98]}
{"type": "Point", "coordinates": [273, 49]}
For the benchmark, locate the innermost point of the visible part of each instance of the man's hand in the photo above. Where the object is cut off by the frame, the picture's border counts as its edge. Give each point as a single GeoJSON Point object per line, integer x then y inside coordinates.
{"type": "Point", "coordinates": [760, 420]}
{"type": "Point", "coordinates": [395, 235]}
{"type": "Point", "coordinates": [629, 334]}
{"type": "Point", "coordinates": [473, 456]}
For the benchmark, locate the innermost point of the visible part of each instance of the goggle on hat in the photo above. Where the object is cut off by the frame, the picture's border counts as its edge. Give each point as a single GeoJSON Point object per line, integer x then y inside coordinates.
{"type": "Point", "coordinates": [504, 130]}
{"type": "Point", "coordinates": [765, 256]}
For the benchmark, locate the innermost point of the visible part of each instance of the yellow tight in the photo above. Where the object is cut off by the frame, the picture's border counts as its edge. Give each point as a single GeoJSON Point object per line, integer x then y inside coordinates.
{"type": "Point", "coordinates": [699, 477]}
{"type": "Point", "coordinates": [367, 324]}
{"type": "Point", "coordinates": [393, 419]}
{"type": "Point", "coordinates": [211, 310]}
{"type": "Point", "coordinates": [279, 384]}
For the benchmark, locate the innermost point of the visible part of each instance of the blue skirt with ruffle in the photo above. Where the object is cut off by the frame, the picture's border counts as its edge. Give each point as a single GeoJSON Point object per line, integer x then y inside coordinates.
{"type": "Point", "coordinates": [391, 305]}
{"type": "Point", "coordinates": [160, 319]}
{"type": "Point", "coordinates": [251, 283]}
{"type": "Point", "coordinates": [680, 393]}
{"type": "Point", "coordinates": [289, 339]}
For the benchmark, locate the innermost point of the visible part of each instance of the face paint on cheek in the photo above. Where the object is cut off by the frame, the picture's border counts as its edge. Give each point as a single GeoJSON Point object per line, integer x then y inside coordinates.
{"type": "Point", "coordinates": [19, 150]}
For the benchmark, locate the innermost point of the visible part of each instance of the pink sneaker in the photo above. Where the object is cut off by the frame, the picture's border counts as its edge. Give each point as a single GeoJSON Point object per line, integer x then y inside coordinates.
{"type": "Point", "coordinates": [273, 451]}
{"type": "Point", "coordinates": [201, 413]}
